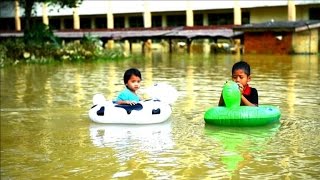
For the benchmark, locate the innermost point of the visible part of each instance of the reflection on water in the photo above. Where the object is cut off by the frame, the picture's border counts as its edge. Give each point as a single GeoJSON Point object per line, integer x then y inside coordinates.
{"type": "Point", "coordinates": [46, 132]}
{"type": "Point", "coordinates": [238, 146]}
{"type": "Point", "coordinates": [131, 141]}
{"type": "Point", "coordinates": [151, 138]}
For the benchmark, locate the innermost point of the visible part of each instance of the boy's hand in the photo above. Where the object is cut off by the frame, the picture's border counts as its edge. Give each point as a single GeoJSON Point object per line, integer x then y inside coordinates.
{"type": "Point", "coordinates": [240, 87]}
{"type": "Point", "coordinates": [130, 102]}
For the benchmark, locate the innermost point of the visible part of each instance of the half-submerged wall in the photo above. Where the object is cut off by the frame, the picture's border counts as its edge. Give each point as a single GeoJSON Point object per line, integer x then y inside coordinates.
{"type": "Point", "coordinates": [306, 41]}
{"type": "Point", "coordinates": [281, 37]}
{"type": "Point", "coordinates": [267, 42]}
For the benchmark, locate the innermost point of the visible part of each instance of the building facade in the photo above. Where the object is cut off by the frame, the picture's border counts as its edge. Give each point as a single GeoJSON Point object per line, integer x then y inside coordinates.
{"type": "Point", "coordinates": [99, 14]}
{"type": "Point", "coordinates": [281, 37]}
{"type": "Point", "coordinates": [94, 15]}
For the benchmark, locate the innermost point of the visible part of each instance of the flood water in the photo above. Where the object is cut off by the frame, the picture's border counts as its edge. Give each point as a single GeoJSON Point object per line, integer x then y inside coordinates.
{"type": "Point", "coordinates": [46, 132]}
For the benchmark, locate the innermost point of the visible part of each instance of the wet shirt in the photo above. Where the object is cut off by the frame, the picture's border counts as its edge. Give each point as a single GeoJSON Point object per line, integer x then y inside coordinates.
{"type": "Point", "coordinates": [252, 96]}
{"type": "Point", "coordinates": [127, 95]}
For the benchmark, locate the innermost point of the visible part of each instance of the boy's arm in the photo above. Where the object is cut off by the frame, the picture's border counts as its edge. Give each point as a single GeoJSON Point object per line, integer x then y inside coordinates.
{"type": "Point", "coordinates": [253, 98]}
{"type": "Point", "coordinates": [126, 102]}
{"type": "Point", "coordinates": [121, 99]}
{"type": "Point", "coordinates": [221, 101]}
{"type": "Point", "coordinates": [246, 101]}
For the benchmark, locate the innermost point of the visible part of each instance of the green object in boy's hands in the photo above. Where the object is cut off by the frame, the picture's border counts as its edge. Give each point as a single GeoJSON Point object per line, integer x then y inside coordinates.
{"type": "Point", "coordinates": [231, 94]}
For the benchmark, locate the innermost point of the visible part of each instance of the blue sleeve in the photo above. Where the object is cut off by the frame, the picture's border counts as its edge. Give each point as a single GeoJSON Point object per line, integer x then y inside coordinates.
{"type": "Point", "coordinates": [127, 95]}
{"type": "Point", "coordinates": [122, 96]}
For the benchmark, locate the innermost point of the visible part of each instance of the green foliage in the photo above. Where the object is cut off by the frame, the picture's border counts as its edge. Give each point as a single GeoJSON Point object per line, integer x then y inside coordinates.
{"type": "Point", "coordinates": [114, 54]}
{"type": "Point", "coordinates": [12, 48]}
{"type": "Point", "coordinates": [40, 45]}
{"type": "Point", "coordinates": [3, 55]}
{"type": "Point", "coordinates": [65, 3]}
{"type": "Point", "coordinates": [74, 51]}
{"type": "Point", "coordinates": [40, 34]}
{"type": "Point", "coordinates": [14, 51]}
{"type": "Point", "coordinates": [29, 8]}
{"type": "Point", "coordinates": [87, 49]}
{"type": "Point", "coordinates": [92, 44]}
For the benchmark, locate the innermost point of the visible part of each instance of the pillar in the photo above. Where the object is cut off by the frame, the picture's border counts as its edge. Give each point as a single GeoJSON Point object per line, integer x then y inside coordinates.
{"type": "Point", "coordinates": [62, 24]}
{"type": "Point", "coordinates": [236, 13]}
{"type": "Point", "coordinates": [147, 21]}
{"type": "Point", "coordinates": [147, 18]}
{"type": "Point", "coordinates": [126, 22]}
{"type": "Point", "coordinates": [76, 18]}
{"type": "Point", "coordinates": [110, 23]}
{"type": "Point", "coordinates": [205, 19]}
{"type": "Point", "coordinates": [92, 22]}
{"type": "Point", "coordinates": [291, 10]}
{"type": "Point", "coordinates": [164, 21]}
{"type": "Point", "coordinates": [45, 18]}
{"type": "Point", "coordinates": [189, 13]}
{"type": "Point", "coordinates": [237, 21]}
{"type": "Point", "coordinates": [189, 45]}
{"type": "Point", "coordinates": [127, 46]}
{"type": "Point", "coordinates": [206, 46]}
{"type": "Point", "coordinates": [170, 45]}
{"type": "Point", "coordinates": [17, 15]}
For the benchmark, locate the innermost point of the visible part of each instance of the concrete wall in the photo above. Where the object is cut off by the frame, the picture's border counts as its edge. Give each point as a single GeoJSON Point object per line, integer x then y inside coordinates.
{"type": "Point", "coordinates": [302, 12]}
{"type": "Point", "coordinates": [306, 41]}
{"type": "Point", "coordinates": [89, 7]}
{"type": "Point", "coordinates": [267, 43]}
{"type": "Point", "coordinates": [280, 13]}
{"type": "Point", "coordinates": [259, 15]}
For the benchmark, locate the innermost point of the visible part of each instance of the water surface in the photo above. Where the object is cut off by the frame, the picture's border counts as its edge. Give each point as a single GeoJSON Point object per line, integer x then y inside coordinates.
{"type": "Point", "coordinates": [46, 132]}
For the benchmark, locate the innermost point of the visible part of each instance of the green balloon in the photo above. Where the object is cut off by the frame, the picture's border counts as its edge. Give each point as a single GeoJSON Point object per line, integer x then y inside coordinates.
{"type": "Point", "coordinates": [231, 94]}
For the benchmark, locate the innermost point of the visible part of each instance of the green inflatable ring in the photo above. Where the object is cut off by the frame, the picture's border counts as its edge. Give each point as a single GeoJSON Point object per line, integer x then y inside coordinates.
{"type": "Point", "coordinates": [235, 115]}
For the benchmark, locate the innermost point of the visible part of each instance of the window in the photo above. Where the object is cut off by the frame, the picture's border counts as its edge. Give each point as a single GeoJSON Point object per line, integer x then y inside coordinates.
{"type": "Point", "coordinates": [101, 22]}
{"type": "Point", "coordinates": [176, 20]}
{"type": "Point", "coordinates": [198, 19]}
{"type": "Point", "coordinates": [156, 21]}
{"type": "Point", "coordinates": [7, 24]}
{"type": "Point", "coordinates": [68, 23]}
{"type": "Point", "coordinates": [85, 23]}
{"type": "Point", "coordinates": [54, 23]}
{"type": "Point", "coordinates": [245, 18]}
{"type": "Point", "coordinates": [220, 19]}
{"type": "Point", "coordinates": [314, 13]}
{"type": "Point", "coordinates": [136, 21]}
{"type": "Point", "coordinates": [119, 22]}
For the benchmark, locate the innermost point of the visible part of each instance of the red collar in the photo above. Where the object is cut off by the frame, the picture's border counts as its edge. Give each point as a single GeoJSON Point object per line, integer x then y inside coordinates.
{"type": "Point", "coordinates": [247, 90]}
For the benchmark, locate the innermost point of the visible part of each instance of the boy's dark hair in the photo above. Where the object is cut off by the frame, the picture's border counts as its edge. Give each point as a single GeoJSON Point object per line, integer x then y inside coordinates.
{"type": "Point", "coordinates": [129, 73]}
{"type": "Point", "coordinates": [241, 65]}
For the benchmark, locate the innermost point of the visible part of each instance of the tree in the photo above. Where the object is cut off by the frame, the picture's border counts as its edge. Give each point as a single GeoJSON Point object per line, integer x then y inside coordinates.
{"type": "Point", "coordinates": [28, 5]}
{"type": "Point", "coordinates": [39, 33]}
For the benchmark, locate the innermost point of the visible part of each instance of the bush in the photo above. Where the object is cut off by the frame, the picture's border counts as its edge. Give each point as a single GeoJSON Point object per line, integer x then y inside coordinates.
{"type": "Point", "coordinates": [41, 34]}
{"type": "Point", "coordinates": [43, 49]}
{"type": "Point", "coordinates": [15, 48]}
{"type": "Point", "coordinates": [74, 51]}
{"type": "Point", "coordinates": [3, 55]}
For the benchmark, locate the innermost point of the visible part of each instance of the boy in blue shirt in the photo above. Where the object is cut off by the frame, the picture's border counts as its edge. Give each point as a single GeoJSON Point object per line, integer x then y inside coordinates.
{"type": "Point", "coordinates": [132, 79]}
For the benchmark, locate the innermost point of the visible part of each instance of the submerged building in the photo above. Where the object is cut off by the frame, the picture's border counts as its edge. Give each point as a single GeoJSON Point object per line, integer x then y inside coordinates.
{"type": "Point", "coordinates": [107, 18]}
{"type": "Point", "coordinates": [281, 37]}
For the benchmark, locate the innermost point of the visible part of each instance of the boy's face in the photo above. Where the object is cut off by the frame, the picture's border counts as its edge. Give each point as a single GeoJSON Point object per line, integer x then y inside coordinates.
{"type": "Point", "coordinates": [239, 76]}
{"type": "Point", "coordinates": [133, 83]}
